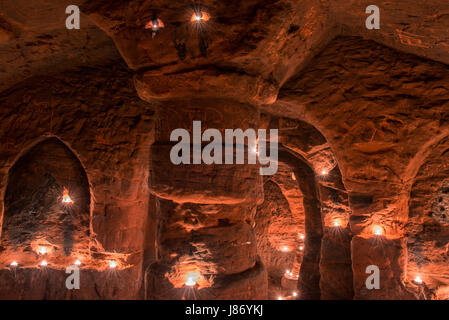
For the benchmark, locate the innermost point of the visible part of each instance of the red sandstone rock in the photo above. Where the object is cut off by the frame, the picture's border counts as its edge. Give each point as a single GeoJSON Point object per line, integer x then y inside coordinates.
{"type": "Point", "coordinates": [363, 144]}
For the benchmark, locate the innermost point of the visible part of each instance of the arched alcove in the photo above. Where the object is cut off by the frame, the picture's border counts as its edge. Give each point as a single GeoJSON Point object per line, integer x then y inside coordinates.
{"type": "Point", "coordinates": [46, 203]}
{"type": "Point", "coordinates": [326, 267]}
{"type": "Point", "coordinates": [427, 229]}
{"type": "Point", "coordinates": [280, 232]}
{"type": "Point", "coordinates": [309, 275]}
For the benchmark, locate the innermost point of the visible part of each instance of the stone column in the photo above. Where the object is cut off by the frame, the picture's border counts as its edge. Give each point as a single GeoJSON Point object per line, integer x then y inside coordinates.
{"type": "Point", "coordinates": [386, 251]}
{"type": "Point", "coordinates": [206, 247]}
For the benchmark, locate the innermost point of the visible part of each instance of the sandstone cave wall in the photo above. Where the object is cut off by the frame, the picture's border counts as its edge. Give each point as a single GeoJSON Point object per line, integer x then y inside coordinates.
{"type": "Point", "coordinates": [381, 111]}
{"type": "Point", "coordinates": [427, 229]}
{"type": "Point", "coordinates": [96, 113]}
{"type": "Point", "coordinates": [280, 231]}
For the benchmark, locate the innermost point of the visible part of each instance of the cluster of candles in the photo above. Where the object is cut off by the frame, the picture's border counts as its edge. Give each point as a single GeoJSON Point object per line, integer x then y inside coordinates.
{"type": "Point", "coordinates": [44, 263]}
{"type": "Point", "coordinates": [294, 293]}
{"type": "Point", "coordinates": [288, 272]}
{"type": "Point", "coordinates": [192, 277]}
{"type": "Point", "coordinates": [377, 230]}
{"type": "Point", "coordinates": [198, 16]}
{"type": "Point", "coordinates": [42, 250]}
{"type": "Point", "coordinates": [287, 248]}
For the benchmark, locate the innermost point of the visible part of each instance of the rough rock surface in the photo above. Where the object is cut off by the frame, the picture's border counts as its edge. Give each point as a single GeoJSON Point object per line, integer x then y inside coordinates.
{"type": "Point", "coordinates": [280, 230]}
{"type": "Point", "coordinates": [76, 126]}
{"type": "Point", "coordinates": [363, 131]}
{"type": "Point", "coordinates": [391, 109]}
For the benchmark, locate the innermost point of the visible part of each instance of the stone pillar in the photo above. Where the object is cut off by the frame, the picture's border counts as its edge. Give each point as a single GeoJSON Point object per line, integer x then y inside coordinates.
{"type": "Point", "coordinates": [386, 251]}
{"type": "Point", "coordinates": [336, 281]}
{"type": "Point", "coordinates": [206, 247]}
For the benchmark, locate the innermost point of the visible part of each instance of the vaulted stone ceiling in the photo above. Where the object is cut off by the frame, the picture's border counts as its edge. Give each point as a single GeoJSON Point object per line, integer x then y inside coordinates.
{"type": "Point", "coordinates": [271, 39]}
{"type": "Point", "coordinates": [377, 108]}
{"type": "Point", "coordinates": [34, 40]}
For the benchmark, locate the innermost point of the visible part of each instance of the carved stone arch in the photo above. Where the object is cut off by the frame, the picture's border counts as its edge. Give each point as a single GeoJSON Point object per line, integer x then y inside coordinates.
{"type": "Point", "coordinates": [303, 146]}
{"type": "Point", "coordinates": [427, 228]}
{"type": "Point", "coordinates": [35, 214]}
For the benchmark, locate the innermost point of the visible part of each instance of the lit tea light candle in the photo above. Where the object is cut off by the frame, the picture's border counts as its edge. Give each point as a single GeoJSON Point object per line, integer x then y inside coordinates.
{"type": "Point", "coordinates": [294, 293]}
{"type": "Point", "coordinates": [323, 172]}
{"type": "Point", "coordinates": [191, 279]}
{"type": "Point", "coordinates": [42, 250]}
{"type": "Point", "coordinates": [44, 263]}
{"type": "Point", "coordinates": [377, 230]}
{"type": "Point", "coordinates": [77, 262]}
{"type": "Point", "coordinates": [418, 280]}
{"type": "Point", "coordinates": [200, 16]}
{"type": "Point", "coordinates": [65, 197]}
{"type": "Point", "coordinates": [301, 248]}
{"type": "Point", "coordinates": [190, 282]}
{"type": "Point", "coordinates": [280, 298]}
{"type": "Point", "coordinates": [112, 264]}
{"type": "Point", "coordinates": [337, 223]}
{"type": "Point", "coordinates": [301, 236]}
{"type": "Point", "coordinates": [14, 264]}
{"type": "Point", "coordinates": [155, 25]}
{"type": "Point", "coordinates": [285, 248]}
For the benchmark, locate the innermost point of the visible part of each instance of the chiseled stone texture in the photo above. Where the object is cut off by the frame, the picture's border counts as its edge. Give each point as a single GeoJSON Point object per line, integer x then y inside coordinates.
{"type": "Point", "coordinates": [381, 111]}
{"type": "Point", "coordinates": [96, 113]}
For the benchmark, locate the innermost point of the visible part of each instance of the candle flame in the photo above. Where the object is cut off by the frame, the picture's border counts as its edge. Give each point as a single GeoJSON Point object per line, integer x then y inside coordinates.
{"type": "Point", "coordinates": [191, 278]}
{"type": "Point", "coordinates": [377, 230]}
{"type": "Point", "coordinates": [200, 16]}
{"type": "Point", "coordinates": [154, 24]}
{"type": "Point", "coordinates": [418, 279]}
{"type": "Point", "coordinates": [65, 197]}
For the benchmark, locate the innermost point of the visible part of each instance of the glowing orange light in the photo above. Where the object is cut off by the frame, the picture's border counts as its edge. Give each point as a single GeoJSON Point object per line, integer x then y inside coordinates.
{"type": "Point", "coordinates": [301, 236]}
{"type": "Point", "coordinates": [77, 262]}
{"type": "Point", "coordinates": [44, 263]}
{"type": "Point", "coordinates": [200, 16]}
{"type": "Point", "coordinates": [323, 172]}
{"type": "Point", "coordinates": [112, 264]}
{"type": "Point", "coordinates": [294, 293]}
{"type": "Point", "coordinates": [285, 249]}
{"type": "Point", "coordinates": [155, 24]}
{"type": "Point", "coordinates": [65, 197]}
{"type": "Point", "coordinates": [191, 278]}
{"type": "Point", "coordinates": [254, 150]}
{"type": "Point", "coordinates": [301, 248]}
{"type": "Point", "coordinates": [418, 280]}
{"type": "Point", "coordinates": [280, 298]}
{"type": "Point", "coordinates": [377, 230]}
{"type": "Point", "coordinates": [42, 250]}
{"type": "Point", "coordinates": [293, 176]}
{"type": "Point", "coordinates": [337, 223]}
{"type": "Point", "coordinates": [14, 264]}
